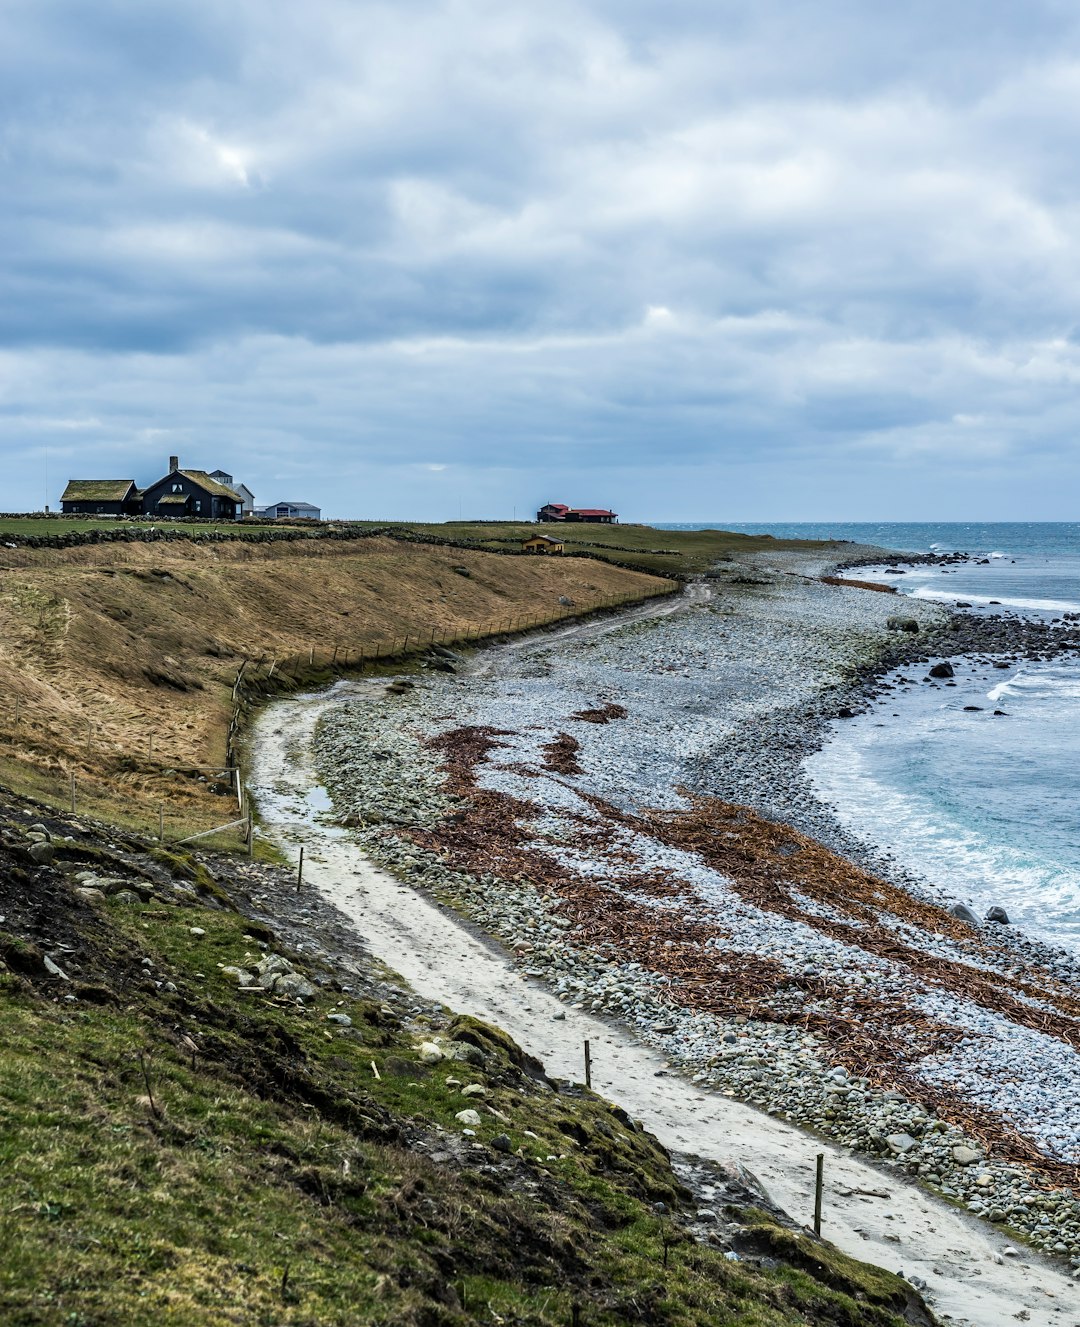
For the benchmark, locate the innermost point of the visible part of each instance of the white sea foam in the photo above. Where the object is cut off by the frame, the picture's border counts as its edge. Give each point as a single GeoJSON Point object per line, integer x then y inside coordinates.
{"type": "Point", "coordinates": [1032, 605]}
{"type": "Point", "coordinates": [948, 854]}
{"type": "Point", "coordinates": [980, 807]}
{"type": "Point", "coordinates": [1048, 685]}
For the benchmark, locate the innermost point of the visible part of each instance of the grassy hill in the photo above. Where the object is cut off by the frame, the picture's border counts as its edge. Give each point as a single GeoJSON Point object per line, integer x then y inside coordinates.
{"type": "Point", "coordinates": [662, 552]}
{"type": "Point", "coordinates": [179, 1148]}
{"type": "Point", "coordinates": [117, 661]}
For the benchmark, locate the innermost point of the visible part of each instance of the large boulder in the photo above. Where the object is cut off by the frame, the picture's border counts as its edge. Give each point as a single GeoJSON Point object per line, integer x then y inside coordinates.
{"type": "Point", "coordinates": [944, 669]}
{"type": "Point", "coordinates": [902, 624]}
{"type": "Point", "coordinates": [962, 911]}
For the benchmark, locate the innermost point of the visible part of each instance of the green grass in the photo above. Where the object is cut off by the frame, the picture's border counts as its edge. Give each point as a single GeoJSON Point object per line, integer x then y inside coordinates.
{"type": "Point", "coordinates": [664, 552]}
{"type": "Point", "coordinates": [58, 525]}
{"type": "Point", "coordinates": [278, 1173]}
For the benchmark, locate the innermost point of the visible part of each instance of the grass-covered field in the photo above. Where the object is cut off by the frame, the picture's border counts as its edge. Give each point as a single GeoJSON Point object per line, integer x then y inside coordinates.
{"type": "Point", "coordinates": [663, 552]}
{"type": "Point", "coordinates": [176, 1150]}
{"type": "Point", "coordinates": [58, 525]}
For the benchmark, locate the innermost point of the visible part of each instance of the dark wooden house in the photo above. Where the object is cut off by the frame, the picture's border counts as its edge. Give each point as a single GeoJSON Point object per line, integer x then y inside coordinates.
{"type": "Point", "coordinates": [191, 493]}
{"type": "Point", "coordinates": [101, 497]}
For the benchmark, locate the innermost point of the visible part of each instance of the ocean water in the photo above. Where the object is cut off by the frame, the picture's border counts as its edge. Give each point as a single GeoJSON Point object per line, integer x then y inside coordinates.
{"type": "Point", "coordinates": [985, 806]}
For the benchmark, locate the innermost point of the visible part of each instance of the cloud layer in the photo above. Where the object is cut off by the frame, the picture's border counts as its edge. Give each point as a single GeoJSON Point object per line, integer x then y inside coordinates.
{"type": "Point", "coordinates": [698, 260]}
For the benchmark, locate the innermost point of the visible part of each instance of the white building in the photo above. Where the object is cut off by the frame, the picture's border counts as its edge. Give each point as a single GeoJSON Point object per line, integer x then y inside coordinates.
{"type": "Point", "coordinates": [284, 511]}
{"type": "Point", "coordinates": [241, 490]}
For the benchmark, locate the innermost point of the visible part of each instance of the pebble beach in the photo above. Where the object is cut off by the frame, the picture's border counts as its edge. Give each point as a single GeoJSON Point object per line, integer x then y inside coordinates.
{"type": "Point", "coordinates": [624, 807]}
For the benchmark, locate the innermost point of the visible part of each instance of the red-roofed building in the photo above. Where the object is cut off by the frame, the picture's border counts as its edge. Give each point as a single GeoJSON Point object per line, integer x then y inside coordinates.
{"type": "Point", "coordinates": [559, 511]}
{"type": "Point", "coordinates": [594, 515]}
{"type": "Point", "coordinates": [552, 511]}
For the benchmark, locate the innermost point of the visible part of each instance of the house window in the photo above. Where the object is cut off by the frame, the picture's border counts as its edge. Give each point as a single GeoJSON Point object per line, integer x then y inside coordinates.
{"type": "Point", "coordinates": [198, 506]}
{"type": "Point", "coordinates": [178, 488]}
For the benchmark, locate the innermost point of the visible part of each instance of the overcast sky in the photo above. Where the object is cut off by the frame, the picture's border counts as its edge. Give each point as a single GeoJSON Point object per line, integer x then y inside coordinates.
{"type": "Point", "coordinates": [691, 259]}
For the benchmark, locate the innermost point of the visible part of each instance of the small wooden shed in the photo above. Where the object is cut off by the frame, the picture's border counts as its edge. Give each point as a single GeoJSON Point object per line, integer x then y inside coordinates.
{"type": "Point", "coordinates": [541, 543]}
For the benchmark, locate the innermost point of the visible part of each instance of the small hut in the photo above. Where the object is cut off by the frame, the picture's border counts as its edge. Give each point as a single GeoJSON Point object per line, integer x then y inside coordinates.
{"type": "Point", "coordinates": [540, 543]}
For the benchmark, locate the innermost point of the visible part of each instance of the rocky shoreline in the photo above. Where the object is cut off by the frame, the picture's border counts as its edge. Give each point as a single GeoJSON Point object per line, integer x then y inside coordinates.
{"type": "Point", "coordinates": [585, 800]}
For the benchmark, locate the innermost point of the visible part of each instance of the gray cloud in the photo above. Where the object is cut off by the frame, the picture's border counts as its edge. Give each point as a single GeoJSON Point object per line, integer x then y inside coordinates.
{"type": "Point", "coordinates": [394, 256]}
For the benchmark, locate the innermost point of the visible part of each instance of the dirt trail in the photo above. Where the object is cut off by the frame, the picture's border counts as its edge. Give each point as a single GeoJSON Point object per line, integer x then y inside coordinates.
{"type": "Point", "coordinates": [869, 1212]}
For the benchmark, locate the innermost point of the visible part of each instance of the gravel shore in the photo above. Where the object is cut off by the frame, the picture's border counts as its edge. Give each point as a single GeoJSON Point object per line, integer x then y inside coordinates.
{"type": "Point", "coordinates": [624, 806]}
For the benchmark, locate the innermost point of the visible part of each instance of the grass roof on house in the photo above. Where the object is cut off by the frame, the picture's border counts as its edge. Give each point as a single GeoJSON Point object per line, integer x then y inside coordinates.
{"type": "Point", "coordinates": [97, 490]}
{"type": "Point", "coordinates": [173, 500]}
{"type": "Point", "coordinates": [211, 485]}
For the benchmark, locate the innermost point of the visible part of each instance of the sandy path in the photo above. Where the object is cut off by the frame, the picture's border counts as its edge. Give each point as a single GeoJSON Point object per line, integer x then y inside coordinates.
{"type": "Point", "coordinates": [870, 1213]}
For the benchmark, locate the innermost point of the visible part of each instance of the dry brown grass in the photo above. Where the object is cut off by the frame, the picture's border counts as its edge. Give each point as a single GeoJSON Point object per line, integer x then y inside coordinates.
{"type": "Point", "coordinates": [121, 658]}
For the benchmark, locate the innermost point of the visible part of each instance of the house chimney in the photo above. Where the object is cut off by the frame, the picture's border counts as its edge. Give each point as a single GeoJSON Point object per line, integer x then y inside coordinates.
{"type": "Point", "coordinates": [174, 464]}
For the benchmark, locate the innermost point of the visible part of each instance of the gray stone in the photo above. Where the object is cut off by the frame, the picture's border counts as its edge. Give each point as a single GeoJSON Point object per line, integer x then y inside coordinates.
{"type": "Point", "coordinates": [965, 1156]}
{"type": "Point", "coordinates": [42, 853]}
{"type": "Point", "coordinates": [964, 913]}
{"type": "Point", "coordinates": [901, 1143]}
{"type": "Point", "coordinates": [468, 1117]}
{"type": "Point", "coordinates": [943, 670]}
{"type": "Point", "coordinates": [998, 914]}
{"type": "Point", "coordinates": [271, 964]}
{"type": "Point", "coordinates": [342, 1020]}
{"type": "Point", "coordinates": [243, 977]}
{"type": "Point", "coordinates": [293, 987]}
{"type": "Point", "coordinates": [465, 1053]}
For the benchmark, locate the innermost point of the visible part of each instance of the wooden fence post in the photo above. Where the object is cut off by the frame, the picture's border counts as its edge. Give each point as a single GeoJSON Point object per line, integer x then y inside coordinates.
{"type": "Point", "coordinates": [588, 1066]}
{"type": "Point", "coordinates": [819, 1185]}
{"type": "Point", "coordinates": [300, 869]}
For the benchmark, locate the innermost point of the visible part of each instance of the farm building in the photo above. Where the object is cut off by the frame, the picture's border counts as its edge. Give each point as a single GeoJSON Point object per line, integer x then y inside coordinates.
{"type": "Point", "coordinates": [541, 543]}
{"type": "Point", "coordinates": [186, 493]}
{"type": "Point", "coordinates": [559, 511]}
{"type": "Point", "coordinates": [191, 493]}
{"type": "Point", "coordinates": [552, 511]}
{"type": "Point", "coordinates": [101, 497]}
{"type": "Point", "coordinates": [282, 511]}
{"type": "Point", "coordinates": [592, 515]}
